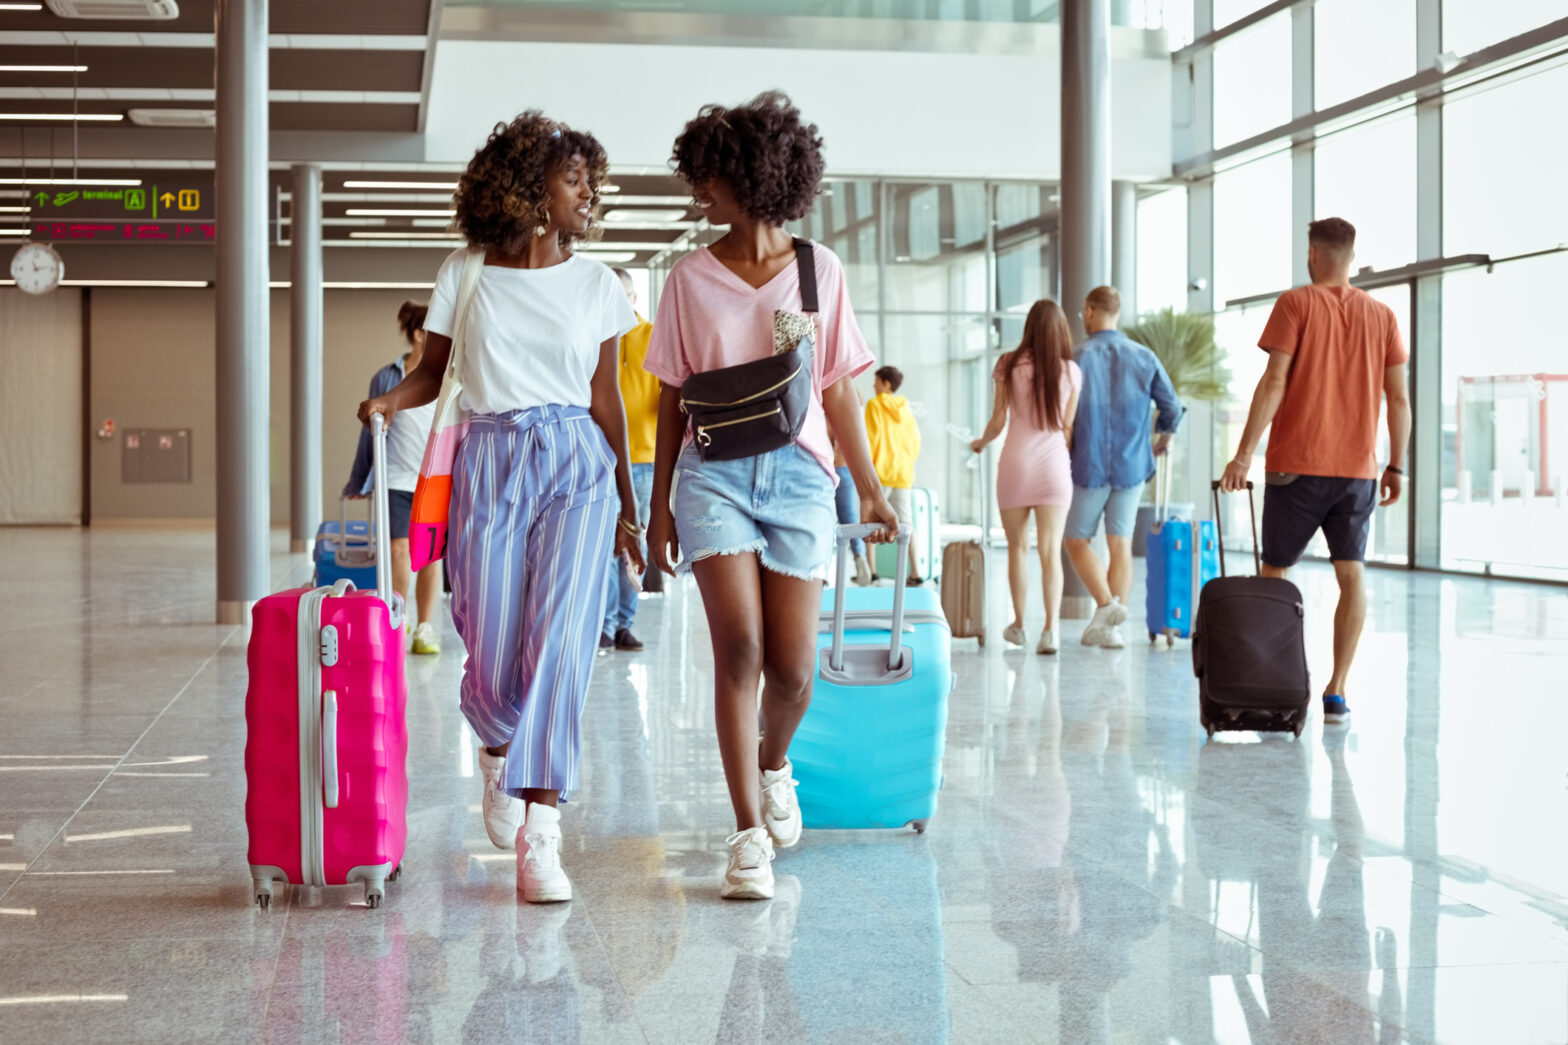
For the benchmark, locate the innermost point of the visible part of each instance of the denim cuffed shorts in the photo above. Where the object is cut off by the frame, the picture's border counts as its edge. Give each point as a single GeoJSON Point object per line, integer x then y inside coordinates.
{"type": "Point", "coordinates": [779, 505]}
{"type": "Point", "coordinates": [1118, 506]}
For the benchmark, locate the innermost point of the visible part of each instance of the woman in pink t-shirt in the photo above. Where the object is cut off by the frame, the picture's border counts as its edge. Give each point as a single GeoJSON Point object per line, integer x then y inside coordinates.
{"type": "Point", "coordinates": [1036, 401]}
{"type": "Point", "coordinates": [757, 532]}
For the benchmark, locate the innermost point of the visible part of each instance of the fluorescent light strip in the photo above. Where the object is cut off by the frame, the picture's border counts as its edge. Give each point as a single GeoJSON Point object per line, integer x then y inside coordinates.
{"type": "Point", "coordinates": [14, 232]}
{"type": "Point", "coordinates": [65, 117]}
{"type": "Point", "coordinates": [127, 182]}
{"type": "Point", "coordinates": [371, 212]}
{"type": "Point", "coordinates": [192, 284]}
{"type": "Point", "coordinates": [420, 186]}
{"type": "Point", "coordinates": [21, 7]}
{"type": "Point", "coordinates": [454, 237]}
{"type": "Point", "coordinates": [55, 1000]}
{"type": "Point", "coordinates": [283, 284]}
{"type": "Point", "coordinates": [43, 68]}
{"type": "Point", "coordinates": [16, 210]}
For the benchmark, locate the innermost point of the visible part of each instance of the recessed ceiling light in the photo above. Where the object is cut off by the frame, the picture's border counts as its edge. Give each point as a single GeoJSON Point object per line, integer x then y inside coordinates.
{"type": "Point", "coordinates": [43, 68]}
{"type": "Point", "coordinates": [127, 182]}
{"type": "Point", "coordinates": [627, 215]}
{"type": "Point", "coordinates": [423, 186]}
{"type": "Point", "coordinates": [64, 117]}
{"type": "Point", "coordinates": [363, 212]}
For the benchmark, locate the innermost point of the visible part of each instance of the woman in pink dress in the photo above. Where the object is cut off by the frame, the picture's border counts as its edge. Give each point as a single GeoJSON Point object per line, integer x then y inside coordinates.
{"type": "Point", "coordinates": [1037, 391]}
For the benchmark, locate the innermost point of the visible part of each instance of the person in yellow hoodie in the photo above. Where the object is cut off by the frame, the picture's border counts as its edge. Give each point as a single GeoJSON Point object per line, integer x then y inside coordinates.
{"type": "Point", "coordinates": [640, 393]}
{"type": "Point", "coordinates": [895, 445]}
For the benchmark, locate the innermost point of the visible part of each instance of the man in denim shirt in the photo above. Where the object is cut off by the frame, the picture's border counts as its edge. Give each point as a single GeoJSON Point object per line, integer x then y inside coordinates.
{"type": "Point", "coordinates": [1112, 456]}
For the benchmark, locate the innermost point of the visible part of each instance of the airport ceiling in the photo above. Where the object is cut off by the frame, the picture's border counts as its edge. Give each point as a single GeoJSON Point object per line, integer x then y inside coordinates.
{"type": "Point", "coordinates": [349, 84]}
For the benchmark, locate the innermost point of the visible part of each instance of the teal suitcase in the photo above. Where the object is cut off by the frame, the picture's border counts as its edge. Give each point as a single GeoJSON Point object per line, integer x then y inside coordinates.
{"type": "Point", "coordinates": [868, 753]}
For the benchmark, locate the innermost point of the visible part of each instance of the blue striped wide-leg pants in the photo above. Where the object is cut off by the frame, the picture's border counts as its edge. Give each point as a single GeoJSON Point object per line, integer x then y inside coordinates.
{"type": "Point", "coordinates": [533, 526]}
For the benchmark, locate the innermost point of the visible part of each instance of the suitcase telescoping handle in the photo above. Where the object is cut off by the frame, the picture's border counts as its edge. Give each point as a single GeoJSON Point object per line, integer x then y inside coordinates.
{"type": "Point", "coordinates": [1219, 529]}
{"type": "Point", "coordinates": [1162, 487]}
{"type": "Point", "coordinates": [846, 534]}
{"type": "Point", "coordinates": [382, 508]}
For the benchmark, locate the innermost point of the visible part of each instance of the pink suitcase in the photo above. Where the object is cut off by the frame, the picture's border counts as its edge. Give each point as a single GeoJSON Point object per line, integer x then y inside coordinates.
{"type": "Point", "coordinates": [326, 739]}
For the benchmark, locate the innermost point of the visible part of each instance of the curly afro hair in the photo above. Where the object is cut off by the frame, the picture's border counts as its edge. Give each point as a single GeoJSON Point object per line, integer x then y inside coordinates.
{"type": "Point", "coordinates": [765, 153]}
{"type": "Point", "coordinates": [501, 198]}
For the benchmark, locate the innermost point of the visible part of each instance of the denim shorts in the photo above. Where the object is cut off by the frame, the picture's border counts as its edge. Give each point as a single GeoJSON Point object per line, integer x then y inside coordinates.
{"type": "Point", "coordinates": [1120, 508]}
{"type": "Point", "coordinates": [779, 505]}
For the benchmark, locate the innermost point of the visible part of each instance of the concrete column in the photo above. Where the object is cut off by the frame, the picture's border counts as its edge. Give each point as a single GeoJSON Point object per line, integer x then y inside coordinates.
{"type": "Point", "coordinates": [1303, 156]}
{"type": "Point", "coordinates": [305, 313]}
{"type": "Point", "coordinates": [1424, 479]}
{"type": "Point", "coordinates": [1086, 187]}
{"type": "Point", "coordinates": [1086, 152]}
{"type": "Point", "coordinates": [242, 327]}
{"type": "Point", "coordinates": [1124, 245]}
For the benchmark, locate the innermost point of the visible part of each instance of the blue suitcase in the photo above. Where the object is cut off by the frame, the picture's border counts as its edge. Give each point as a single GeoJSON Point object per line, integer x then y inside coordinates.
{"type": "Point", "coordinates": [1183, 556]}
{"type": "Point", "coordinates": [869, 751]}
{"type": "Point", "coordinates": [346, 550]}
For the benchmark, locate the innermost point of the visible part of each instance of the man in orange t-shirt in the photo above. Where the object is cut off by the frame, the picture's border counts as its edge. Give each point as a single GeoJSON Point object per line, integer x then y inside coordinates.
{"type": "Point", "coordinates": [1334, 353]}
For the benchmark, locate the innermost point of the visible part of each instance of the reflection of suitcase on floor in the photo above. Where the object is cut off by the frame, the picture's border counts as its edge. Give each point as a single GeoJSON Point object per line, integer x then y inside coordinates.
{"type": "Point", "coordinates": [1182, 556]}
{"type": "Point", "coordinates": [963, 589]}
{"type": "Point", "coordinates": [346, 549]}
{"type": "Point", "coordinates": [927, 539]}
{"type": "Point", "coordinates": [1249, 648]}
{"type": "Point", "coordinates": [869, 751]}
{"type": "Point", "coordinates": [326, 741]}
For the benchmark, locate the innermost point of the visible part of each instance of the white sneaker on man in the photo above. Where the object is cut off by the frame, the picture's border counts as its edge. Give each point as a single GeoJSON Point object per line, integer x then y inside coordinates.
{"type": "Point", "coordinates": [503, 813]}
{"type": "Point", "coordinates": [1105, 618]}
{"type": "Point", "coordinates": [750, 873]}
{"type": "Point", "coordinates": [539, 875]}
{"type": "Point", "coordinates": [1114, 639]}
{"type": "Point", "coordinates": [780, 809]}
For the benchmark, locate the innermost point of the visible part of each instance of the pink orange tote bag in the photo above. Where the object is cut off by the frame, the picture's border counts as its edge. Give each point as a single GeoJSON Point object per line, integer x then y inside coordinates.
{"type": "Point", "coordinates": [427, 527]}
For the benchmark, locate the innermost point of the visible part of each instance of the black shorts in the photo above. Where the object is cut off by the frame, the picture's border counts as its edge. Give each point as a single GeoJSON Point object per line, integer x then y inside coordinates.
{"type": "Point", "coordinates": [1296, 509]}
{"type": "Point", "coordinates": [401, 504]}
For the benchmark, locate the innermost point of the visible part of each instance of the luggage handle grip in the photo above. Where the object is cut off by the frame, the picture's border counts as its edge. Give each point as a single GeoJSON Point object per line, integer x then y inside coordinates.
{"type": "Point", "coordinates": [1162, 488]}
{"type": "Point", "coordinates": [844, 535]}
{"type": "Point", "coordinates": [1219, 529]}
{"type": "Point", "coordinates": [381, 508]}
{"type": "Point", "coordinates": [329, 748]}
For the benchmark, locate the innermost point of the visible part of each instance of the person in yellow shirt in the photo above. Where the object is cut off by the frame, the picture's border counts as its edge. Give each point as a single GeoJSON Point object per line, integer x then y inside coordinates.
{"type": "Point", "coordinates": [895, 445]}
{"type": "Point", "coordinates": [640, 393]}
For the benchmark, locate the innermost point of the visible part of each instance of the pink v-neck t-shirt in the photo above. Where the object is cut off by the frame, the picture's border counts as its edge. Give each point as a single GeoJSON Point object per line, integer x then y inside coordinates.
{"type": "Point", "coordinates": [710, 318]}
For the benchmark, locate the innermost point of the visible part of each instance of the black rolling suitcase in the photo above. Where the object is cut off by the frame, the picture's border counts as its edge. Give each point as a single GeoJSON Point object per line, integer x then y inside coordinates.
{"type": "Point", "coordinates": [1248, 648]}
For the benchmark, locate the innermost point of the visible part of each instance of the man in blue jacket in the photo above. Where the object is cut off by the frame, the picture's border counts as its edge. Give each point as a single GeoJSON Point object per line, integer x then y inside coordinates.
{"type": "Point", "coordinates": [1113, 457]}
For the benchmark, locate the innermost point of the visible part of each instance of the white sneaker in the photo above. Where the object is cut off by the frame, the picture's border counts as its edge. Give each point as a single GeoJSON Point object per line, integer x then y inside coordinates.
{"type": "Point", "coordinates": [1047, 642]}
{"type": "Point", "coordinates": [750, 873]}
{"type": "Point", "coordinates": [780, 809]}
{"type": "Point", "coordinates": [1105, 618]}
{"type": "Point", "coordinates": [425, 642]}
{"type": "Point", "coordinates": [539, 875]}
{"type": "Point", "coordinates": [1014, 635]}
{"type": "Point", "coordinates": [1114, 639]}
{"type": "Point", "coordinates": [503, 813]}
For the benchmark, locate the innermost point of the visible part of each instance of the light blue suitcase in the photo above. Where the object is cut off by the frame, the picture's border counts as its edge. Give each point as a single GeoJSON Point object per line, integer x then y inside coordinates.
{"type": "Point", "coordinates": [346, 550]}
{"type": "Point", "coordinates": [869, 751]}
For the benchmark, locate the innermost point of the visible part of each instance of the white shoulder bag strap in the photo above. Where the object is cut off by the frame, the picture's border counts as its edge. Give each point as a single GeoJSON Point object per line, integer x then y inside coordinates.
{"type": "Point", "coordinates": [473, 268]}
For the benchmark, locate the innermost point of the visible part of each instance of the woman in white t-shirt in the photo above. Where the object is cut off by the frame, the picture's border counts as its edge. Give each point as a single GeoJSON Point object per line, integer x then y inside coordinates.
{"type": "Point", "coordinates": [540, 476]}
{"type": "Point", "coordinates": [405, 451]}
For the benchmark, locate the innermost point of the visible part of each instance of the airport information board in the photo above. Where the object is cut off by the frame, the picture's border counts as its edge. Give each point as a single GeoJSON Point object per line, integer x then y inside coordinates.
{"type": "Point", "coordinates": [150, 213]}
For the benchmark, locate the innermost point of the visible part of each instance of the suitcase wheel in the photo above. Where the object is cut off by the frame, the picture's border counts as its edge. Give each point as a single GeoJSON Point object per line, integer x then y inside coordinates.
{"type": "Point", "coordinates": [264, 901]}
{"type": "Point", "coordinates": [981, 640]}
{"type": "Point", "coordinates": [397, 872]}
{"type": "Point", "coordinates": [373, 895]}
{"type": "Point", "coordinates": [1300, 725]}
{"type": "Point", "coordinates": [1153, 638]}
{"type": "Point", "coordinates": [920, 826]}
{"type": "Point", "coordinates": [263, 892]}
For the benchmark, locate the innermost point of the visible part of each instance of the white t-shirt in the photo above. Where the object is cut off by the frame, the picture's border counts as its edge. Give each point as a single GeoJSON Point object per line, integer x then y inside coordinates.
{"type": "Point", "coordinates": [533, 335]}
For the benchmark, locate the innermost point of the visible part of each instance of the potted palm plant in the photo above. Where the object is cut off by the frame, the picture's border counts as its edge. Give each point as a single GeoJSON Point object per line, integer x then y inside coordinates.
{"type": "Point", "coordinates": [1184, 343]}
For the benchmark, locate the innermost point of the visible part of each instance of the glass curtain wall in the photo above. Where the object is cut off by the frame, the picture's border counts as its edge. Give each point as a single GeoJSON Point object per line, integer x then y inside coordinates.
{"type": "Point", "coordinates": [1500, 407]}
{"type": "Point", "coordinates": [941, 276]}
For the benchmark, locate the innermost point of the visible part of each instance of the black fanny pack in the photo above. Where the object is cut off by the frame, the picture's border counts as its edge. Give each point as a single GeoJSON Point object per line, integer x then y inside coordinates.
{"type": "Point", "coordinates": [755, 408]}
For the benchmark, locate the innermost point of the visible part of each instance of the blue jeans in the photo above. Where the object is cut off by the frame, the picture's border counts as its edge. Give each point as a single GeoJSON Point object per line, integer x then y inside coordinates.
{"type": "Point", "coordinates": [620, 601]}
{"type": "Point", "coordinates": [847, 501]}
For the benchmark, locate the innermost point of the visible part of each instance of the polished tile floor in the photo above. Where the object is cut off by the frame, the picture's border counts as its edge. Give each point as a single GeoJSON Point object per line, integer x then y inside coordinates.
{"type": "Point", "coordinates": [1097, 873]}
